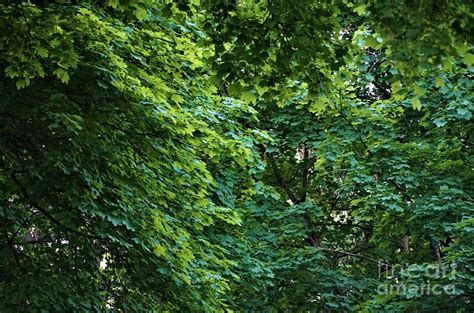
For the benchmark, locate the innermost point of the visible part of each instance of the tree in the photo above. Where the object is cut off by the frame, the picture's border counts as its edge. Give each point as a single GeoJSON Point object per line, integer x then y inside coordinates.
{"type": "Point", "coordinates": [112, 143]}
{"type": "Point", "coordinates": [356, 99]}
{"type": "Point", "coordinates": [235, 155]}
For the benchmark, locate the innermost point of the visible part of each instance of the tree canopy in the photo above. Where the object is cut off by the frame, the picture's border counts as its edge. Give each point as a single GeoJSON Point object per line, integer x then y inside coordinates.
{"type": "Point", "coordinates": [234, 155]}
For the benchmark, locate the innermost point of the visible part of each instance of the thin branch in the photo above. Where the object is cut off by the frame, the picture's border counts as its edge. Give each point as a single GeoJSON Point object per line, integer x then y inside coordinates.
{"type": "Point", "coordinates": [281, 181]}
{"type": "Point", "coordinates": [16, 257]}
{"type": "Point", "coordinates": [353, 254]}
{"type": "Point", "coordinates": [45, 212]}
{"type": "Point", "coordinates": [305, 174]}
{"type": "Point", "coordinates": [363, 227]}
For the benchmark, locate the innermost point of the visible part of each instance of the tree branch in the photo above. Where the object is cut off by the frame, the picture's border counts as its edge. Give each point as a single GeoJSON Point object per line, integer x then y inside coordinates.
{"type": "Point", "coordinates": [305, 174]}
{"type": "Point", "coordinates": [45, 212]}
{"type": "Point", "coordinates": [354, 255]}
{"type": "Point", "coordinates": [281, 181]}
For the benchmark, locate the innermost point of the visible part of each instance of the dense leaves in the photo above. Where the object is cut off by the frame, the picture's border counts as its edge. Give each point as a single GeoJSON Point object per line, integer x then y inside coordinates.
{"type": "Point", "coordinates": [236, 155]}
{"type": "Point", "coordinates": [108, 180]}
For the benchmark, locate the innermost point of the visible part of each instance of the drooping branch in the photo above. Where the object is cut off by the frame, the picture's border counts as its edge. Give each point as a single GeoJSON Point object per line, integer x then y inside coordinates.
{"type": "Point", "coordinates": [281, 181]}
{"type": "Point", "coordinates": [14, 252]}
{"type": "Point", "coordinates": [43, 211]}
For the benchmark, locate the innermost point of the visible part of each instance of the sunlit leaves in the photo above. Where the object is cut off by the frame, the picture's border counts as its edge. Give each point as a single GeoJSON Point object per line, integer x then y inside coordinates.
{"type": "Point", "coordinates": [469, 59]}
{"type": "Point", "coordinates": [416, 103]}
{"type": "Point", "coordinates": [125, 139]}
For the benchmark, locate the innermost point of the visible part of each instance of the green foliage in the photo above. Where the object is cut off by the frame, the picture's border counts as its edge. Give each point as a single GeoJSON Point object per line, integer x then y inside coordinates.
{"type": "Point", "coordinates": [112, 141]}
{"type": "Point", "coordinates": [235, 155]}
